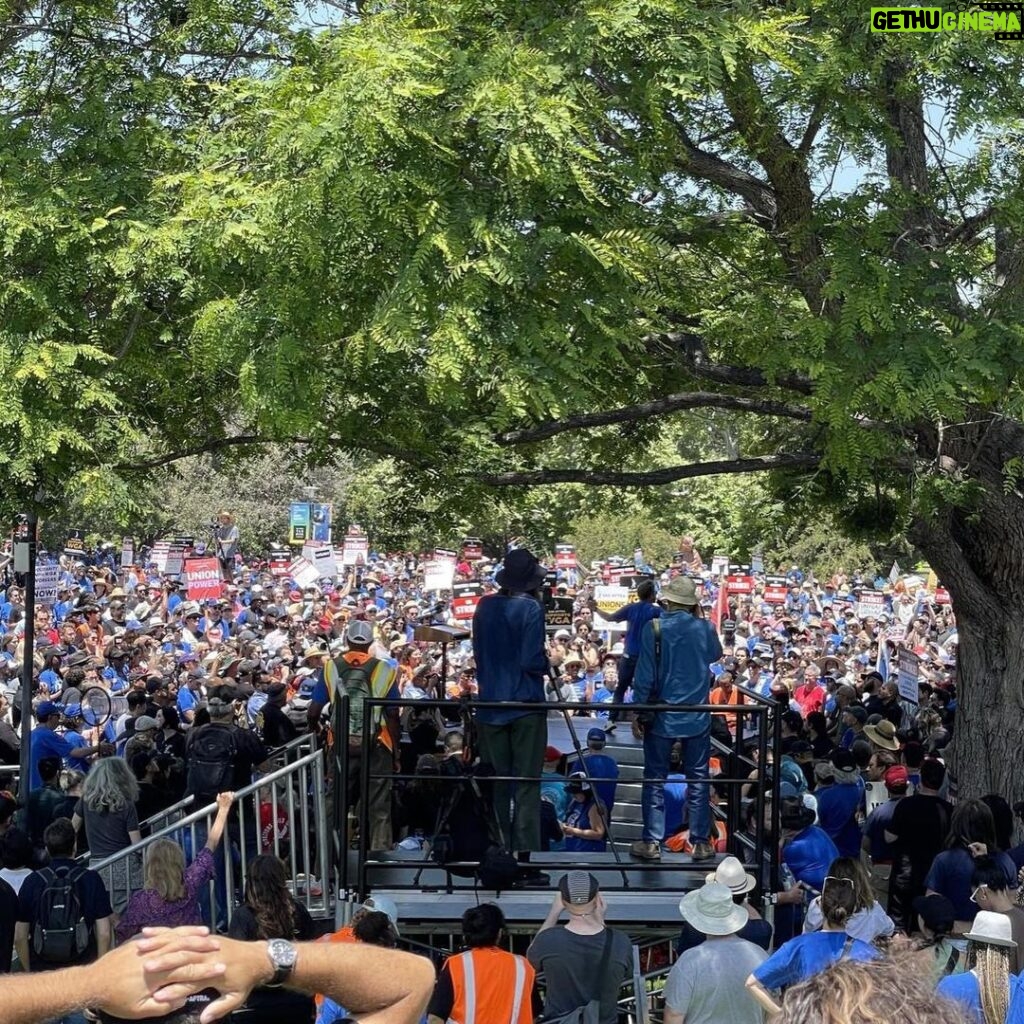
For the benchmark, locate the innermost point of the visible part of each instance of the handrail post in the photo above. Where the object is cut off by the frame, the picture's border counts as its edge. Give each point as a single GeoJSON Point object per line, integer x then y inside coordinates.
{"type": "Point", "coordinates": [364, 795]}
{"type": "Point", "coordinates": [339, 795]}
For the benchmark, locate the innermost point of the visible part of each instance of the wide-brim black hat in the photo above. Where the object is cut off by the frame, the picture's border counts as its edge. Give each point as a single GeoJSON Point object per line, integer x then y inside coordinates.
{"type": "Point", "coordinates": [520, 571]}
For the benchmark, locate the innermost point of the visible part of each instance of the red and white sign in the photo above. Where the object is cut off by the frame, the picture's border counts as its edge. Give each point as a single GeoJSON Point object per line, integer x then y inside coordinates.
{"type": "Point", "coordinates": [355, 549]}
{"type": "Point", "coordinates": [617, 573]}
{"type": "Point", "coordinates": [472, 549]}
{"type": "Point", "coordinates": [438, 574]}
{"type": "Point", "coordinates": [942, 596]}
{"type": "Point", "coordinates": [565, 556]}
{"type": "Point", "coordinates": [775, 590]}
{"type": "Point", "coordinates": [203, 578]}
{"type": "Point", "coordinates": [740, 584]}
{"type": "Point", "coordinates": [279, 566]}
{"type": "Point", "coordinates": [445, 555]}
{"type": "Point", "coordinates": [465, 598]}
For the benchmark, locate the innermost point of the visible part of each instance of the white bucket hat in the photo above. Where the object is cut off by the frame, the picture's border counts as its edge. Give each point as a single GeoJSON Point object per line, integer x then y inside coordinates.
{"type": "Point", "coordinates": [710, 910]}
{"type": "Point", "coordinates": [992, 928]}
{"type": "Point", "coordinates": [730, 872]}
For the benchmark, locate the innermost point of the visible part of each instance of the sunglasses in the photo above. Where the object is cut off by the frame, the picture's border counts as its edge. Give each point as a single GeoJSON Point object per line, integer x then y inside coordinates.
{"type": "Point", "coordinates": [974, 894]}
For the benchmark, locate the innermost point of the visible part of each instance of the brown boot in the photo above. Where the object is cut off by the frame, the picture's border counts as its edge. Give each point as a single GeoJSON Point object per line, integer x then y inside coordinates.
{"type": "Point", "coordinates": [702, 851]}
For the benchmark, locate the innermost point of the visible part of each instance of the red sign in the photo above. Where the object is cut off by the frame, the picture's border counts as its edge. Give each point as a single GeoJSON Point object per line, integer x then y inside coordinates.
{"type": "Point", "coordinates": [740, 584]}
{"type": "Point", "coordinates": [279, 566]}
{"type": "Point", "coordinates": [472, 549]}
{"type": "Point", "coordinates": [775, 590]}
{"type": "Point", "coordinates": [445, 555]}
{"type": "Point", "coordinates": [465, 597]}
{"type": "Point", "coordinates": [203, 578]}
{"type": "Point", "coordinates": [942, 596]}
{"type": "Point", "coordinates": [616, 573]}
{"type": "Point", "coordinates": [565, 556]}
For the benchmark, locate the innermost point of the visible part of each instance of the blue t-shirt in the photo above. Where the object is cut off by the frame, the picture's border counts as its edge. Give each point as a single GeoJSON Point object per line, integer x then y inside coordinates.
{"type": "Point", "coordinates": [808, 855]}
{"type": "Point", "coordinates": [963, 989]}
{"type": "Point", "coordinates": [600, 766]}
{"type": "Point", "coordinates": [675, 804]}
{"type": "Point", "coordinates": [807, 955]}
{"type": "Point", "coordinates": [187, 700]}
{"type": "Point", "coordinates": [951, 874]}
{"type": "Point", "coordinates": [76, 740]}
{"type": "Point", "coordinates": [45, 742]}
{"type": "Point", "coordinates": [635, 615]}
{"type": "Point", "coordinates": [837, 815]}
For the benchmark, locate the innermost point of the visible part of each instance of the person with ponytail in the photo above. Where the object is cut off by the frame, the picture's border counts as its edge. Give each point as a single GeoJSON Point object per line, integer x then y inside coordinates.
{"type": "Point", "coordinates": [807, 955]}
{"type": "Point", "coordinates": [984, 988]}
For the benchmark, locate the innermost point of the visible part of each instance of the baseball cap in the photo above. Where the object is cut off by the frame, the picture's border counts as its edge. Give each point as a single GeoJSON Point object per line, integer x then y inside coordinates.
{"type": "Point", "coordinates": [145, 722]}
{"type": "Point", "coordinates": [383, 905]}
{"type": "Point", "coordinates": [577, 888]}
{"type": "Point", "coordinates": [46, 709]}
{"type": "Point", "coordinates": [936, 911]}
{"type": "Point", "coordinates": [552, 753]}
{"type": "Point", "coordinates": [595, 734]}
{"type": "Point", "coordinates": [359, 631]}
{"type": "Point", "coordinates": [858, 711]}
{"type": "Point", "coordinates": [578, 783]}
{"type": "Point", "coordinates": [896, 777]}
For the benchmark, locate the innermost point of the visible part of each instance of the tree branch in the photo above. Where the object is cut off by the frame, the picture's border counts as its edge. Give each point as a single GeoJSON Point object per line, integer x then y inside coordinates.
{"type": "Point", "coordinates": [652, 478]}
{"type": "Point", "coordinates": [656, 407]}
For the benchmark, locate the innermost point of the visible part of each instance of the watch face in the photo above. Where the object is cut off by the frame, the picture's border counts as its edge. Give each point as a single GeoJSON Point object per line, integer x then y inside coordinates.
{"type": "Point", "coordinates": [282, 953]}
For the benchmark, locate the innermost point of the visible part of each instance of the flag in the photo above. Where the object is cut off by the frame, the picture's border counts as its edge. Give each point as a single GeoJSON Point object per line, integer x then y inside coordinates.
{"type": "Point", "coordinates": [882, 664]}
{"type": "Point", "coordinates": [720, 609]}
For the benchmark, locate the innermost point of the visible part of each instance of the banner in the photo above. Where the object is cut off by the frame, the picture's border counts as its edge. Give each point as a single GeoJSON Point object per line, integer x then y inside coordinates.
{"type": "Point", "coordinates": [565, 556]}
{"type": "Point", "coordinates": [299, 522]}
{"type": "Point", "coordinates": [47, 575]}
{"type": "Point", "coordinates": [720, 609]}
{"type": "Point", "coordinates": [740, 584]}
{"type": "Point", "coordinates": [617, 574]}
{"type": "Point", "coordinates": [438, 575]}
{"type": "Point", "coordinates": [168, 557]}
{"type": "Point", "coordinates": [304, 573]}
{"type": "Point", "coordinates": [907, 671]}
{"type": "Point", "coordinates": [465, 598]}
{"type": "Point", "coordinates": [445, 555]}
{"type": "Point", "coordinates": [870, 604]}
{"type": "Point", "coordinates": [775, 590]}
{"type": "Point", "coordinates": [321, 557]}
{"type": "Point", "coordinates": [127, 553]}
{"type": "Point", "coordinates": [558, 614]}
{"type": "Point", "coordinates": [355, 550]}
{"type": "Point", "coordinates": [202, 576]}
{"type": "Point", "coordinates": [321, 516]}
{"type": "Point", "coordinates": [942, 596]}
{"type": "Point", "coordinates": [472, 549]}
{"type": "Point", "coordinates": [75, 543]}
{"type": "Point", "coordinates": [609, 599]}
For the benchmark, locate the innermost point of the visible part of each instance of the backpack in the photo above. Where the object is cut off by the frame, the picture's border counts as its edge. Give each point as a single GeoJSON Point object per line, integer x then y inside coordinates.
{"type": "Point", "coordinates": [211, 763]}
{"type": "Point", "coordinates": [60, 933]}
{"type": "Point", "coordinates": [356, 681]}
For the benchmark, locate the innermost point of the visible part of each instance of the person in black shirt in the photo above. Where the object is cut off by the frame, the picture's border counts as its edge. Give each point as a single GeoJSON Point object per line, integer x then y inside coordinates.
{"type": "Point", "coordinates": [8, 915]}
{"type": "Point", "coordinates": [42, 804]}
{"type": "Point", "coordinates": [10, 741]}
{"type": "Point", "coordinates": [276, 727]}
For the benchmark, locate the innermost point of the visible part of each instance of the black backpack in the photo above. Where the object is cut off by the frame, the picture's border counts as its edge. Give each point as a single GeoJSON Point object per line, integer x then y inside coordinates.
{"type": "Point", "coordinates": [211, 762]}
{"type": "Point", "coordinates": [60, 933]}
{"type": "Point", "coordinates": [357, 682]}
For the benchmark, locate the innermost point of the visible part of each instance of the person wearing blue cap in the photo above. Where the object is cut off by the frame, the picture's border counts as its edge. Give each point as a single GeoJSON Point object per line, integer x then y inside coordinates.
{"type": "Point", "coordinates": [599, 765]}
{"type": "Point", "coordinates": [46, 743]}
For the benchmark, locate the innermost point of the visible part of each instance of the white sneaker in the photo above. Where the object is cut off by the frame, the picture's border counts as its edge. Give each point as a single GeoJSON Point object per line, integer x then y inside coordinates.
{"type": "Point", "coordinates": [609, 726]}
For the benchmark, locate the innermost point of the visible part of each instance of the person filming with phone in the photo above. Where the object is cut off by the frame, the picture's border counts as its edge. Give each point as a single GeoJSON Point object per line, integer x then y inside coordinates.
{"type": "Point", "coordinates": [673, 667]}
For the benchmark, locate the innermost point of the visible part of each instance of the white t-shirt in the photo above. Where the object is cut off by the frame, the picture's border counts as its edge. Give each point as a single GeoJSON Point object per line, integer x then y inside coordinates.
{"type": "Point", "coordinates": [15, 876]}
{"type": "Point", "coordinates": [866, 925]}
{"type": "Point", "coordinates": [707, 984]}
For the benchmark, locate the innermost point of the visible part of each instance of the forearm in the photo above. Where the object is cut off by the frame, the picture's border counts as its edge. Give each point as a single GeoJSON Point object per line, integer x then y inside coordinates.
{"type": "Point", "coordinates": [763, 997]}
{"type": "Point", "coordinates": [30, 998]}
{"type": "Point", "coordinates": [216, 832]}
{"type": "Point", "coordinates": [21, 948]}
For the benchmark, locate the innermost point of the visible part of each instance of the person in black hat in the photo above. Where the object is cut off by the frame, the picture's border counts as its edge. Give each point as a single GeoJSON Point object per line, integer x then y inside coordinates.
{"type": "Point", "coordinates": [511, 660]}
{"type": "Point", "coordinates": [272, 723]}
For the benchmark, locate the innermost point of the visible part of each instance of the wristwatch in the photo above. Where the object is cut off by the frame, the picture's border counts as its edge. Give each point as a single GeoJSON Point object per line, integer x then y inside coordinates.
{"type": "Point", "coordinates": [282, 955]}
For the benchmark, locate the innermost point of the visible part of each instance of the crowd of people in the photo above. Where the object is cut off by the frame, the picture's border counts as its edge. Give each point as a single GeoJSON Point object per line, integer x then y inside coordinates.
{"type": "Point", "coordinates": [881, 860]}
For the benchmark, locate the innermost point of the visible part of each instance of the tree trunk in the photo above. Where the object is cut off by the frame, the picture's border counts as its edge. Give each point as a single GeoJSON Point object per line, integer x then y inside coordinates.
{"type": "Point", "coordinates": [977, 553]}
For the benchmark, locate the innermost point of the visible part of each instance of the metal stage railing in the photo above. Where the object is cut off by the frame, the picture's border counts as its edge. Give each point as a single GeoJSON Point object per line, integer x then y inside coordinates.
{"type": "Point", "coordinates": [758, 856]}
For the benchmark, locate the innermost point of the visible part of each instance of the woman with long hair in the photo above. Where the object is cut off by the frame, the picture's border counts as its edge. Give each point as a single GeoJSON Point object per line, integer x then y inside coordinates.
{"type": "Point", "coordinates": [972, 834]}
{"type": "Point", "coordinates": [938, 953]}
{"type": "Point", "coordinates": [270, 912]}
{"type": "Point", "coordinates": [170, 896]}
{"type": "Point", "coordinates": [806, 955]}
{"type": "Point", "coordinates": [869, 921]}
{"type": "Point", "coordinates": [107, 810]}
{"type": "Point", "coordinates": [984, 988]}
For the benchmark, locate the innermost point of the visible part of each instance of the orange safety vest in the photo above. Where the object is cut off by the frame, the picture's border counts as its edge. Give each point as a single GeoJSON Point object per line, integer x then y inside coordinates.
{"type": "Point", "coordinates": [491, 987]}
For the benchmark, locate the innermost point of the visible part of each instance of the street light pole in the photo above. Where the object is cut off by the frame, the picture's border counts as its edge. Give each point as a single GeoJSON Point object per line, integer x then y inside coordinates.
{"type": "Point", "coordinates": [25, 562]}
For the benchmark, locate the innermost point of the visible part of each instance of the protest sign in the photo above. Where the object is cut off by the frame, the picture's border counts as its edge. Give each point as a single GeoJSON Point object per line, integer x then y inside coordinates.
{"type": "Point", "coordinates": [304, 572]}
{"type": "Point", "coordinates": [279, 565]}
{"type": "Point", "coordinates": [355, 550]}
{"type": "Point", "coordinates": [75, 543]}
{"type": "Point", "coordinates": [438, 574]}
{"type": "Point", "coordinates": [47, 574]}
{"type": "Point", "coordinates": [445, 555]}
{"type": "Point", "coordinates": [321, 556]}
{"type": "Point", "coordinates": [127, 553]}
{"type": "Point", "coordinates": [617, 574]}
{"type": "Point", "coordinates": [465, 598]}
{"type": "Point", "coordinates": [775, 590]}
{"type": "Point", "coordinates": [740, 584]}
{"type": "Point", "coordinates": [942, 596]}
{"type": "Point", "coordinates": [472, 549]}
{"type": "Point", "coordinates": [907, 671]}
{"type": "Point", "coordinates": [870, 604]}
{"type": "Point", "coordinates": [565, 556]}
{"type": "Point", "coordinates": [894, 572]}
{"type": "Point", "coordinates": [558, 614]}
{"type": "Point", "coordinates": [202, 576]}
{"type": "Point", "coordinates": [719, 565]}
{"type": "Point", "coordinates": [299, 522]}
{"type": "Point", "coordinates": [609, 599]}
{"type": "Point", "coordinates": [757, 563]}
{"type": "Point", "coordinates": [168, 556]}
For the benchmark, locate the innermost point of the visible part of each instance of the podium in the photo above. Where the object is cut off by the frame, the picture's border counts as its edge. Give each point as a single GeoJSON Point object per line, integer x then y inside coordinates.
{"type": "Point", "coordinates": [443, 635]}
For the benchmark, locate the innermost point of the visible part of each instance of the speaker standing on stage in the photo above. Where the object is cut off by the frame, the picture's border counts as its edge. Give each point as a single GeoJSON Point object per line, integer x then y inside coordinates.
{"type": "Point", "coordinates": [678, 673]}
{"type": "Point", "coordinates": [510, 657]}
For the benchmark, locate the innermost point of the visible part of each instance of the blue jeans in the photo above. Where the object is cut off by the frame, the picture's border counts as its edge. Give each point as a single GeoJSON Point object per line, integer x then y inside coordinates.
{"type": "Point", "coordinates": [696, 750]}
